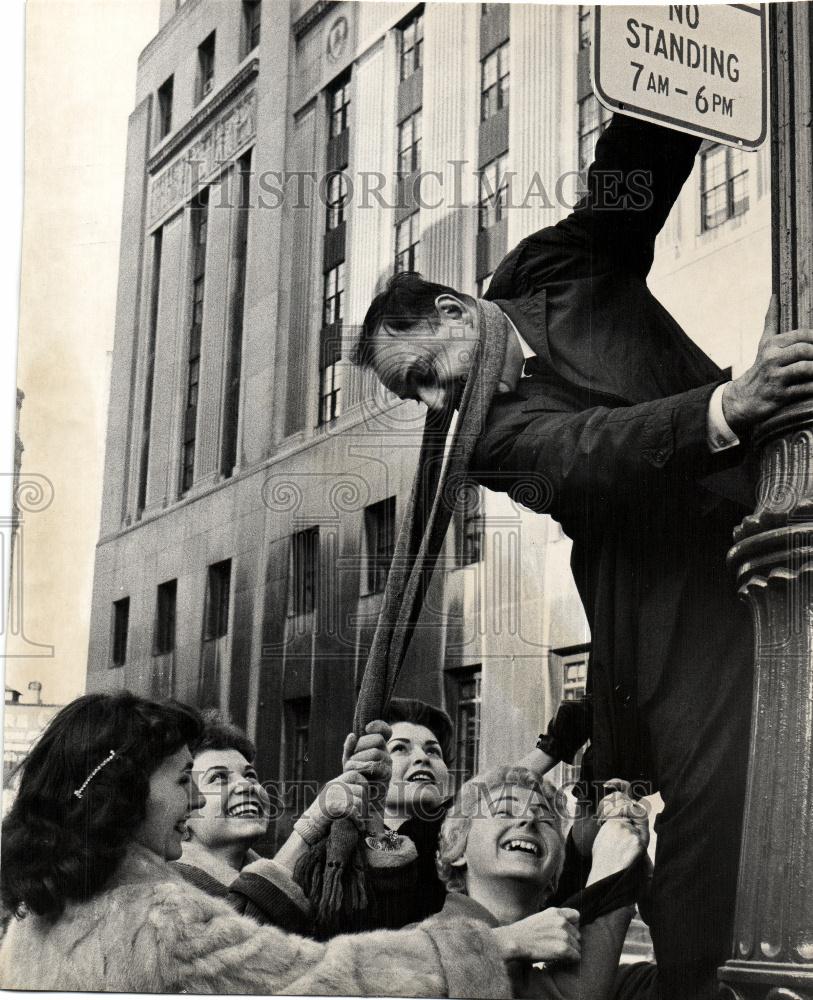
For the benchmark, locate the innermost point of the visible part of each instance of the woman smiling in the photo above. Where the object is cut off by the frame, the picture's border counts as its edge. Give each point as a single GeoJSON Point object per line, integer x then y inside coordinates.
{"type": "Point", "coordinates": [103, 804]}
{"type": "Point", "coordinates": [235, 809]}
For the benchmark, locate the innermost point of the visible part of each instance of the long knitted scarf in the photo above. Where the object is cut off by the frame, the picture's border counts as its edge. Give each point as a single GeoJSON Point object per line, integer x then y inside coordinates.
{"type": "Point", "coordinates": [332, 873]}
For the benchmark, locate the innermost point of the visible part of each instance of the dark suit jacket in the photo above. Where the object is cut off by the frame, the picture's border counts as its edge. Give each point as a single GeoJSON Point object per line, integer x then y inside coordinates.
{"type": "Point", "coordinates": [609, 436]}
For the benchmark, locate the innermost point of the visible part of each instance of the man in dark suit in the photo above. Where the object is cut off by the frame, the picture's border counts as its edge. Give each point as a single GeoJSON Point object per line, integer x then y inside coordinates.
{"type": "Point", "coordinates": [636, 438]}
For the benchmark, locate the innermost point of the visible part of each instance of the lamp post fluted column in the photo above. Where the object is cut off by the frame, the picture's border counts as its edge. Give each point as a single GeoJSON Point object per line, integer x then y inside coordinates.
{"type": "Point", "coordinates": [773, 559]}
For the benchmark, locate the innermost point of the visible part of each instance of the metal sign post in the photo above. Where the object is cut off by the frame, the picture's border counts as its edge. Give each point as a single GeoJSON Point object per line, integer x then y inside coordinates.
{"type": "Point", "coordinates": [700, 69]}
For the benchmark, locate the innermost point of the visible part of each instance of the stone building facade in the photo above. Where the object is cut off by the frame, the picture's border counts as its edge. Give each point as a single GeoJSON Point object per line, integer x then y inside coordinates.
{"type": "Point", "coordinates": [254, 479]}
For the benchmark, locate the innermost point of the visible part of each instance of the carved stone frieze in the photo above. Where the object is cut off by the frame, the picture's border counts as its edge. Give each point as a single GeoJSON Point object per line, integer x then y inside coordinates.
{"type": "Point", "coordinates": [214, 145]}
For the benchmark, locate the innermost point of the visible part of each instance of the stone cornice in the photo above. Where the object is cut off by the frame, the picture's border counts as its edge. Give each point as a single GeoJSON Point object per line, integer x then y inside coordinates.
{"type": "Point", "coordinates": [199, 120]}
{"type": "Point", "coordinates": [313, 14]}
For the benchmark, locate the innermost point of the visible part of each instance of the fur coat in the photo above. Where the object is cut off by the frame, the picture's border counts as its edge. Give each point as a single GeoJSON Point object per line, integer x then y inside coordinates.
{"type": "Point", "coordinates": [151, 932]}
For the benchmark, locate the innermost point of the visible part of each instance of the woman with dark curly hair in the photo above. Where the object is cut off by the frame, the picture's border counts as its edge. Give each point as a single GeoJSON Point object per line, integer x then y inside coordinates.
{"type": "Point", "coordinates": [102, 807]}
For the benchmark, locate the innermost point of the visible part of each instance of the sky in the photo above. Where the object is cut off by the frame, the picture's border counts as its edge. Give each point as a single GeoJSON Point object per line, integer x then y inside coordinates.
{"type": "Point", "coordinates": [80, 70]}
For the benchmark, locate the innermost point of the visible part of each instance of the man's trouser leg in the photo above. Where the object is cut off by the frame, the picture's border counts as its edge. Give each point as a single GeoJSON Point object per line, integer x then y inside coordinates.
{"type": "Point", "coordinates": [698, 728]}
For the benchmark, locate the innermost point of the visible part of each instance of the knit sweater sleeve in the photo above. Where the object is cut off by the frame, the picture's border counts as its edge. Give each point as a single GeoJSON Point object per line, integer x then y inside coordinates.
{"type": "Point", "coordinates": [202, 946]}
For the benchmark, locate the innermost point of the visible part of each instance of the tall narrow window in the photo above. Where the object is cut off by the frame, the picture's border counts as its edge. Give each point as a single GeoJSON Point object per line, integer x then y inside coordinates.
{"type": "Point", "coordinates": [297, 714]}
{"type": "Point", "coordinates": [303, 571]}
{"type": "Point", "coordinates": [121, 625]}
{"type": "Point", "coordinates": [407, 244]}
{"type": "Point", "coordinates": [593, 119]}
{"type": "Point", "coordinates": [411, 46]}
{"type": "Point", "coordinates": [339, 109]}
{"type": "Point", "coordinates": [200, 225]}
{"type": "Point", "coordinates": [215, 633]}
{"type": "Point", "coordinates": [336, 200]}
{"type": "Point", "coordinates": [494, 83]}
{"type": "Point", "coordinates": [468, 696]}
{"type": "Point", "coordinates": [231, 402]}
{"type": "Point", "coordinates": [149, 370]}
{"type": "Point", "coordinates": [252, 11]}
{"type": "Point", "coordinates": [330, 347]}
{"type": "Point", "coordinates": [206, 67]}
{"type": "Point", "coordinates": [470, 547]}
{"type": "Point", "coordinates": [723, 185]}
{"type": "Point", "coordinates": [409, 144]}
{"type": "Point", "coordinates": [493, 193]}
{"type": "Point", "coordinates": [379, 531]}
{"type": "Point", "coordinates": [165, 94]}
{"type": "Point", "coordinates": [585, 11]}
{"type": "Point", "coordinates": [164, 637]}
{"type": "Point", "coordinates": [483, 284]}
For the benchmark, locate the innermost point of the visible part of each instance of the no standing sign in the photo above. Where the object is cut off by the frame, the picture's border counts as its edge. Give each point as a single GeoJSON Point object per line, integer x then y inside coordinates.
{"type": "Point", "coordinates": [700, 69]}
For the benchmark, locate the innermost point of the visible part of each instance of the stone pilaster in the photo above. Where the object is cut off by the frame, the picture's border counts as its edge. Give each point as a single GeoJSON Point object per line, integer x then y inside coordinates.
{"type": "Point", "coordinates": [451, 86]}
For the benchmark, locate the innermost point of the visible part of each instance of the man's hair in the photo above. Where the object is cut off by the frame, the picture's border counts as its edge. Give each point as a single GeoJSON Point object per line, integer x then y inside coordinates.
{"type": "Point", "coordinates": [420, 713]}
{"type": "Point", "coordinates": [475, 799]}
{"type": "Point", "coordinates": [220, 734]}
{"type": "Point", "coordinates": [406, 299]}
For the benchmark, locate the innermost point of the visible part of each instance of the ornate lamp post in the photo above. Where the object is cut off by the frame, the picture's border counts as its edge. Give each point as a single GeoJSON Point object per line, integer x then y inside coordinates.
{"type": "Point", "coordinates": [773, 558]}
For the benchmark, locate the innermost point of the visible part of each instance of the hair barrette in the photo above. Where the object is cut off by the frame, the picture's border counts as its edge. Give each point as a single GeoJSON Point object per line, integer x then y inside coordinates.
{"type": "Point", "coordinates": [78, 792]}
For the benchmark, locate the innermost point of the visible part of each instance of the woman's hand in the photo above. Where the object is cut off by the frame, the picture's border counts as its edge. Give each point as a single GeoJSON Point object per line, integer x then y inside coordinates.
{"type": "Point", "coordinates": [550, 936]}
{"type": "Point", "coordinates": [623, 835]}
{"type": "Point", "coordinates": [367, 755]}
{"type": "Point", "coordinates": [341, 798]}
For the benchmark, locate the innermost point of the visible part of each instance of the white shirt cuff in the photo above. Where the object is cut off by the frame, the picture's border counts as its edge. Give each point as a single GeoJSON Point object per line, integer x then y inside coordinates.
{"type": "Point", "coordinates": [718, 433]}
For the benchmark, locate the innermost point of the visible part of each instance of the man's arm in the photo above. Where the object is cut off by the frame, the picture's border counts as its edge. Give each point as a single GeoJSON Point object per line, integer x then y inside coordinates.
{"type": "Point", "coordinates": [599, 457]}
{"type": "Point", "coordinates": [635, 179]}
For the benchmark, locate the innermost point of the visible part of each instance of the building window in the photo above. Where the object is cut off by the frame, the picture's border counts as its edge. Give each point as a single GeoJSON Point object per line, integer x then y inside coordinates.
{"type": "Point", "coordinates": [483, 284]}
{"type": "Point", "coordinates": [234, 361]}
{"type": "Point", "coordinates": [252, 10]}
{"type": "Point", "coordinates": [330, 392]}
{"type": "Point", "coordinates": [200, 225]}
{"type": "Point", "coordinates": [336, 200]}
{"type": "Point", "coordinates": [723, 185]}
{"type": "Point", "coordinates": [206, 67]}
{"type": "Point", "coordinates": [297, 712]}
{"type": "Point", "coordinates": [407, 244]}
{"type": "Point", "coordinates": [218, 594]}
{"type": "Point", "coordinates": [303, 571]}
{"type": "Point", "coordinates": [334, 295]}
{"type": "Point", "coordinates": [495, 77]}
{"type": "Point", "coordinates": [493, 193]}
{"type": "Point", "coordinates": [121, 625]}
{"type": "Point", "coordinates": [467, 695]}
{"type": "Point", "coordinates": [585, 16]}
{"type": "Point", "coordinates": [149, 369]}
{"type": "Point", "coordinates": [339, 102]}
{"type": "Point", "coordinates": [379, 534]}
{"type": "Point", "coordinates": [166, 599]}
{"type": "Point", "coordinates": [470, 539]}
{"type": "Point", "coordinates": [215, 631]}
{"type": "Point", "coordinates": [593, 119]}
{"type": "Point", "coordinates": [411, 46]}
{"type": "Point", "coordinates": [574, 674]}
{"type": "Point", "coordinates": [409, 144]}
{"type": "Point", "coordinates": [165, 93]}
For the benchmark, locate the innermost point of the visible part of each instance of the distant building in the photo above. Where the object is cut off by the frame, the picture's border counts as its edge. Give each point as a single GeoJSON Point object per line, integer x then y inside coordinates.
{"type": "Point", "coordinates": [254, 479]}
{"type": "Point", "coordinates": [18, 458]}
{"type": "Point", "coordinates": [22, 724]}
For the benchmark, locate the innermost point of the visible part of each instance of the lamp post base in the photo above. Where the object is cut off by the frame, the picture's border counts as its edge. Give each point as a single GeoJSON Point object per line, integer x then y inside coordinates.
{"type": "Point", "coordinates": [765, 981]}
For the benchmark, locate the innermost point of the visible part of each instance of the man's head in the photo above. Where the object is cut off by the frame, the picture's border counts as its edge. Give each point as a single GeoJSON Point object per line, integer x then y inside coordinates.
{"type": "Point", "coordinates": [504, 826]}
{"type": "Point", "coordinates": [418, 337]}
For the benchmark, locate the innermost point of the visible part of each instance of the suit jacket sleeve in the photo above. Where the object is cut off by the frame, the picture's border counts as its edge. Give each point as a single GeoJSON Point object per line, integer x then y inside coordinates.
{"type": "Point", "coordinates": [635, 179]}
{"type": "Point", "coordinates": [599, 458]}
